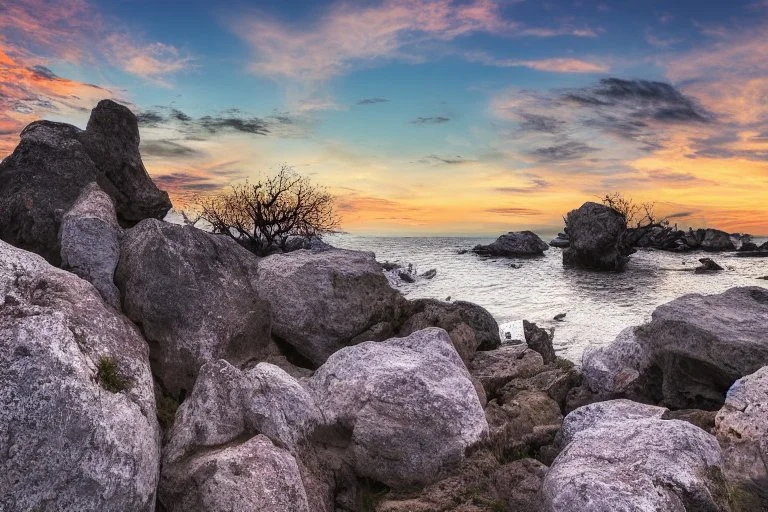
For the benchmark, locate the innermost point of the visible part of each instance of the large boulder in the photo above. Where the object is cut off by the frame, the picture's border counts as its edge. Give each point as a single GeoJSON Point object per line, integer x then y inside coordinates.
{"type": "Point", "coordinates": [90, 242]}
{"type": "Point", "coordinates": [595, 232]}
{"type": "Point", "coordinates": [194, 296]}
{"type": "Point", "coordinates": [253, 475]}
{"type": "Point", "coordinates": [715, 240]}
{"type": "Point", "coordinates": [322, 301]}
{"type": "Point", "coordinates": [52, 164]}
{"type": "Point", "coordinates": [235, 442]}
{"type": "Point", "coordinates": [408, 404]}
{"type": "Point", "coordinates": [620, 456]}
{"type": "Point", "coordinates": [741, 427]}
{"type": "Point", "coordinates": [514, 244]}
{"type": "Point", "coordinates": [690, 353]}
{"type": "Point", "coordinates": [470, 326]}
{"type": "Point", "coordinates": [495, 368]}
{"type": "Point", "coordinates": [78, 426]}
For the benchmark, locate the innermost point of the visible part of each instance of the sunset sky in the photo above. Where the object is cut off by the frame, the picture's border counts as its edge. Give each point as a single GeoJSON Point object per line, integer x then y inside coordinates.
{"type": "Point", "coordinates": [422, 116]}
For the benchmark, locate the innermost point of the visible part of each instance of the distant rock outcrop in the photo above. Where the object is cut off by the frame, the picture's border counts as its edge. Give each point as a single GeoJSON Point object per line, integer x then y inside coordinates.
{"type": "Point", "coordinates": [54, 162]}
{"type": "Point", "coordinates": [561, 241]}
{"type": "Point", "coordinates": [514, 244]}
{"type": "Point", "coordinates": [596, 233]}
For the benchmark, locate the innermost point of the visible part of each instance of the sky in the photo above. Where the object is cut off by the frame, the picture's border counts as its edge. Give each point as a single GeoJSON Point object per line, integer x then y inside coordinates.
{"type": "Point", "coordinates": [448, 117]}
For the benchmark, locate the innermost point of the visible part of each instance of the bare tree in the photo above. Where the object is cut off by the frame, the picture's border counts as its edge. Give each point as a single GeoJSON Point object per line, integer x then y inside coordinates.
{"type": "Point", "coordinates": [262, 216]}
{"type": "Point", "coordinates": [638, 215]}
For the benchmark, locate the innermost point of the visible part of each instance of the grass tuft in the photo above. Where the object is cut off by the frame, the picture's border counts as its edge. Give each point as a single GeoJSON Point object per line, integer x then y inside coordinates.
{"type": "Point", "coordinates": [108, 375]}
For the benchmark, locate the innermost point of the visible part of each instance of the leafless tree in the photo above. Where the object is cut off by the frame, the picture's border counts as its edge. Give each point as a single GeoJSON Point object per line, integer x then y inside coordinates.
{"type": "Point", "coordinates": [262, 216]}
{"type": "Point", "coordinates": [638, 215]}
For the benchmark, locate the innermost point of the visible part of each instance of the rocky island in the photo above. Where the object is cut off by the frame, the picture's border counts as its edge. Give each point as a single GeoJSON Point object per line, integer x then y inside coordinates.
{"type": "Point", "coordinates": [153, 366]}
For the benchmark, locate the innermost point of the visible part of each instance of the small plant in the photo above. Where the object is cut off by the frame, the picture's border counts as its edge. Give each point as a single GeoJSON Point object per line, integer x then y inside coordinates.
{"type": "Point", "coordinates": [108, 375]}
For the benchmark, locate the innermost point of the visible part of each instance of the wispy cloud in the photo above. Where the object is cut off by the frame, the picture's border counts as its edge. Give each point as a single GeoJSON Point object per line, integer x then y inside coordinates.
{"type": "Point", "coordinates": [553, 65]}
{"type": "Point", "coordinates": [372, 101]}
{"type": "Point", "coordinates": [431, 120]}
{"type": "Point", "coordinates": [514, 211]}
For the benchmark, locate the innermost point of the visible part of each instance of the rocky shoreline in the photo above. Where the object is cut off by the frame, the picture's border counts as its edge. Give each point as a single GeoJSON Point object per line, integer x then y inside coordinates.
{"type": "Point", "coordinates": [152, 366]}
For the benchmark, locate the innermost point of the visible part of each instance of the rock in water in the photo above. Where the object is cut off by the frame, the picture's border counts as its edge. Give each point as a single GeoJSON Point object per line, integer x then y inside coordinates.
{"type": "Point", "coordinates": [322, 300]}
{"type": "Point", "coordinates": [77, 410]}
{"type": "Point", "coordinates": [707, 265]}
{"type": "Point", "coordinates": [90, 242]}
{"type": "Point", "coordinates": [716, 240]}
{"type": "Point", "coordinates": [539, 340]}
{"type": "Point", "coordinates": [408, 404]}
{"type": "Point", "coordinates": [514, 243]}
{"type": "Point", "coordinates": [53, 163]}
{"type": "Point", "coordinates": [194, 295]}
{"type": "Point", "coordinates": [690, 353]}
{"type": "Point", "coordinates": [741, 427]}
{"type": "Point", "coordinates": [595, 233]}
{"type": "Point", "coordinates": [621, 456]}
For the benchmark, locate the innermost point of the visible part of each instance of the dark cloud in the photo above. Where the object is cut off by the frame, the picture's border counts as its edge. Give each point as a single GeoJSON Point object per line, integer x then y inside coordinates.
{"type": "Point", "coordinates": [228, 120]}
{"type": "Point", "coordinates": [217, 124]}
{"type": "Point", "coordinates": [536, 185]}
{"type": "Point", "coordinates": [570, 150]}
{"type": "Point", "coordinates": [680, 215]}
{"type": "Point", "coordinates": [180, 116]}
{"type": "Point", "coordinates": [43, 72]}
{"type": "Point", "coordinates": [514, 211]}
{"type": "Point", "coordinates": [539, 123]}
{"type": "Point", "coordinates": [372, 101]}
{"type": "Point", "coordinates": [451, 160]}
{"type": "Point", "coordinates": [431, 120]}
{"type": "Point", "coordinates": [166, 148]}
{"type": "Point", "coordinates": [185, 182]}
{"type": "Point", "coordinates": [681, 177]}
{"type": "Point", "coordinates": [150, 118]}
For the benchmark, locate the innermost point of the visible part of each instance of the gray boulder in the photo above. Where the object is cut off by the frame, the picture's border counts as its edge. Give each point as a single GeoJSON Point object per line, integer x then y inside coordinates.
{"type": "Point", "coordinates": [78, 426]}
{"type": "Point", "coordinates": [247, 476]}
{"type": "Point", "coordinates": [194, 296]}
{"type": "Point", "coordinates": [690, 353]}
{"type": "Point", "coordinates": [561, 241]}
{"type": "Point", "coordinates": [470, 326]}
{"type": "Point", "coordinates": [52, 164]}
{"type": "Point", "coordinates": [708, 265]}
{"type": "Point", "coordinates": [539, 340]}
{"type": "Point", "coordinates": [408, 404]}
{"type": "Point", "coordinates": [741, 427]}
{"type": "Point", "coordinates": [495, 368]}
{"type": "Point", "coordinates": [514, 244]}
{"type": "Point", "coordinates": [620, 456]}
{"type": "Point", "coordinates": [321, 301]}
{"type": "Point", "coordinates": [715, 241]}
{"type": "Point", "coordinates": [90, 242]}
{"type": "Point", "coordinates": [596, 233]}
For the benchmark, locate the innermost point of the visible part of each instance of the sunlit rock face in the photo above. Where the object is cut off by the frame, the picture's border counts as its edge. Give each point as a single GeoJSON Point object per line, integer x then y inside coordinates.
{"type": "Point", "coordinates": [53, 162]}
{"type": "Point", "coordinates": [78, 426]}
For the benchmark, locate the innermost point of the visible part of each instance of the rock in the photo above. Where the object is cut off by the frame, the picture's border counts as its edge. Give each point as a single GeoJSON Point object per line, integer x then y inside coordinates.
{"type": "Point", "coordinates": [406, 276]}
{"type": "Point", "coordinates": [54, 162]}
{"type": "Point", "coordinates": [705, 420]}
{"type": "Point", "coordinates": [249, 476]}
{"type": "Point", "coordinates": [562, 241]}
{"type": "Point", "coordinates": [312, 243]}
{"type": "Point", "coordinates": [77, 411]}
{"type": "Point", "coordinates": [429, 274]}
{"type": "Point", "coordinates": [539, 340]}
{"type": "Point", "coordinates": [716, 240]}
{"type": "Point", "coordinates": [321, 301]}
{"type": "Point", "coordinates": [407, 403]}
{"type": "Point", "coordinates": [470, 326]}
{"type": "Point", "coordinates": [227, 404]}
{"type": "Point", "coordinates": [765, 278]}
{"type": "Point", "coordinates": [742, 430]}
{"type": "Point", "coordinates": [514, 243]}
{"type": "Point", "coordinates": [707, 265]}
{"type": "Point", "coordinates": [482, 484]}
{"type": "Point", "coordinates": [691, 352]}
{"type": "Point", "coordinates": [595, 233]}
{"type": "Point", "coordinates": [389, 265]}
{"type": "Point", "coordinates": [560, 317]}
{"type": "Point", "coordinates": [90, 242]}
{"type": "Point", "coordinates": [620, 456]}
{"type": "Point", "coordinates": [495, 368]}
{"type": "Point", "coordinates": [194, 295]}
{"type": "Point", "coordinates": [749, 246]}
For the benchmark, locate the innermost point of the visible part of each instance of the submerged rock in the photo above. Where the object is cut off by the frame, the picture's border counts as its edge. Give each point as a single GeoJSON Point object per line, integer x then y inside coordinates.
{"type": "Point", "coordinates": [322, 300]}
{"type": "Point", "coordinates": [77, 410]}
{"type": "Point", "coordinates": [408, 404]}
{"type": "Point", "coordinates": [90, 242]}
{"type": "Point", "coordinates": [514, 243]}
{"type": "Point", "coordinates": [194, 295]}
{"type": "Point", "coordinates": [622, 456]}
{"type": "Point", "coordinates": [595, 232]}
{"type": "Point", "coordinates": [52, 164]}
{"type": "Point", "coordinates": [707, 265]}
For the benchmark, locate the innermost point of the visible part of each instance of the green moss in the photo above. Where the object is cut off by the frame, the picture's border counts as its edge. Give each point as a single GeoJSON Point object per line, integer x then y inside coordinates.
{"type": "Point", "coordinates": [166, 410]}
{"type": "Point", "coordinates": [109, 377]}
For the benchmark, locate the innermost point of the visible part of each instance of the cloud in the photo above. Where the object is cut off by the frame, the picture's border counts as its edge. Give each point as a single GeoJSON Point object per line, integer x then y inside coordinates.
{"type": "Point", "coordinates": [680, 215]}
{"type": "Point", "coordinates": [540, 123]}
{"type": "Point", "coordinates": [431, 120]}
{"type": "Point", "coordinates": [166, 148]}
{"type": "Point", "coordinates": [232, 120]}
{"type": "Point", "coordinates": [372, 101]}
{"type": "Point", "coordinates": [551, 65]}
{"type": "Point", "coordinates": [570, 150]}
{"type": "Point", "coordinates": [450, 160]}
{"type": "Point", "coordinates": [536, 185]}
{"type": "Point", "coordinates": [514, 211]}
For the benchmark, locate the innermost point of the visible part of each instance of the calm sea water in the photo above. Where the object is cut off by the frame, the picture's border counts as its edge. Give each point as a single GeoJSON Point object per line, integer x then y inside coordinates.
{"type": "Point", "coordinates": [598, 305]}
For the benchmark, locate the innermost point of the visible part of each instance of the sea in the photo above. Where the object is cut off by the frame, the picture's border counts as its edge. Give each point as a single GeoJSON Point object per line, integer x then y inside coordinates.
{"type": "Point", "coordinates": [597, 305]}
